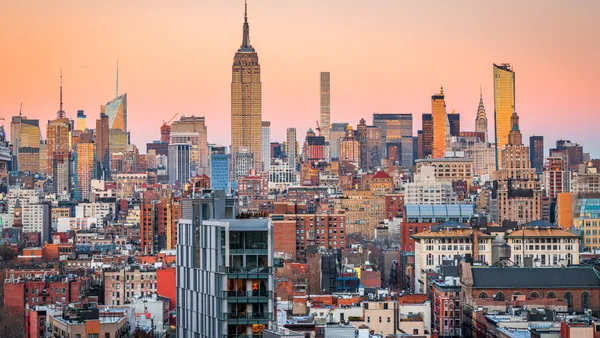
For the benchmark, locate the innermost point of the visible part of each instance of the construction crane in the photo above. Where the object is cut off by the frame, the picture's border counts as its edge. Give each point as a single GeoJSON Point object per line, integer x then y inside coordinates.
{"type": "Point", "coordinates": [172, 118]}
{"type": "Point", "coordinates": [318, 128]}
{"type": "Point", "coordinates": [165, 130]}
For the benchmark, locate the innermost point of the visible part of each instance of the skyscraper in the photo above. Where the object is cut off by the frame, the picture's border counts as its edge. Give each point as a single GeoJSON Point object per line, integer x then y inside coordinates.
{"type": "Point", "coordinates": [179, 163]}
{"type": "Point", "coordinates": [454, 122]}
{"type": "Point", "coordinates": [25, 138]}
{"type": "Point", "coordinates": [481, 122]}
{"type": "Point", "coordinates": [325, 116]}
{"type": "Point", "coordinates": [349, 147]}
{"type": "Point", "coordinates": [193, 130]}
{"type": "Point", "coordinates": [440, 124]}
{"type": "Point", "coordinates": [427, 127]}
{"type": "Point", "coordinates": [246, 116]}
{"type": "Point", "coordinates": [116, 109]}
{"type": "Point", "coordinates": [518, 190]}
{"type": "Point", "coordinates": [266, 145]}
{"type": "Point", "coordinates": [504, 102]}
{"type": "Point", "coordinates": [336, 132]}
{"type": "Point", "coordinates": [536, 153]}
{"type": "Point", "coordinates": [85, 170]}
{"type": "Point", "coordinates": [219, 169]}
{"type": "Point", "coordinates": [59, 157]}
{"type": "Point", "coordinates": [81, 121]}
{"type": "Point", "coordinates": [102, 148]}
{"type": "Point", "coordinates": [291, 147]}
{"type": "Point", "coordinates": [393, 126]}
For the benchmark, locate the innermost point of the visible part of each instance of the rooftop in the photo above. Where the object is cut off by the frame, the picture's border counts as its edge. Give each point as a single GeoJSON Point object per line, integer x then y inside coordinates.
{"type": "Point", "coordinates": [545, 277]}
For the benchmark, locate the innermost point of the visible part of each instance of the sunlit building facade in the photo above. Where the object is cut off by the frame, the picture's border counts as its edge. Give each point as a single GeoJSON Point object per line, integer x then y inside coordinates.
{"type": "Point", "coordinates": [440, 124]}
{"type": "Point", "coordinates": [85, 170]}
{"type": "Point", "coordinates": [246, 106]}
{"type": "Point", "coordinates": [504, 102]}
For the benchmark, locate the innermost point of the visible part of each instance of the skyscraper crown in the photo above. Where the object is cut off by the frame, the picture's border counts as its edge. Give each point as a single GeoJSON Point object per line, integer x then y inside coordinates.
{"type": "Point", "coordinates": [246, 46]}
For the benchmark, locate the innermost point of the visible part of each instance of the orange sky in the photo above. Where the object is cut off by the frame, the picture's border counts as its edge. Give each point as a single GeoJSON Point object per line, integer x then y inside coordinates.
{"type": "Point", "coordinates": [384, 56]}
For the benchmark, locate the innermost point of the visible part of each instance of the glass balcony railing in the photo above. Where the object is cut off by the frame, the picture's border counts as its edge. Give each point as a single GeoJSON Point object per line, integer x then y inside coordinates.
{"type": "Point", "coordinates": [247, 316]}
{"type": "Point", "coordinates": [249, 269]}
{"type": "Point", "coordinates": [248, 251]}
{"type": "Point", "coordinates": [248, 294]}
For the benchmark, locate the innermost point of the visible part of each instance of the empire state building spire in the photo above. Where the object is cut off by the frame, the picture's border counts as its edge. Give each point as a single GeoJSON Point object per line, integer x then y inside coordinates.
{"type": "Point", "coordinates": [246, 46]}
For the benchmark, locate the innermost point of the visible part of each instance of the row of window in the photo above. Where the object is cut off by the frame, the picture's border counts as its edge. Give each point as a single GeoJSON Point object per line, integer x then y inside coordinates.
{"type": "Point", "coordinates": [568, 297]}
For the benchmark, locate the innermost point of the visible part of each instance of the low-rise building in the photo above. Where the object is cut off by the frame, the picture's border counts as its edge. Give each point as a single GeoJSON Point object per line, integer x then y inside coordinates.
{"type": "Point", "coordinates": [83, 320]}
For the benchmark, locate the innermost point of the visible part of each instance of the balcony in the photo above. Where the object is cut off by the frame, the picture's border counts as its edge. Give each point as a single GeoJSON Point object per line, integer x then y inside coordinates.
{"type": "Point", "coordinates": [245, 297]}
{"type": "Point", "coordinates": [246, 272]}
{"type": "Point", "coordinates": [248, 251]}
{"type": "Point", "coordinates": [247, 318]}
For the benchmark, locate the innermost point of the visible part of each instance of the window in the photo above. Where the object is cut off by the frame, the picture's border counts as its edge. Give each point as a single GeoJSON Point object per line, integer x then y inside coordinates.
{"type": "Point", "coordinates": [569, 300]}
{"type": "Point", "coordinates": [368, 319]}
{"type": "Point", "coordinates": [483, 295]}
{"type": "Point", "coordinates": [388, 319]}
{"type": "Point", "coordinates": [500, 296]}
{"type": "Point", "coordinates": [585, 300]}
{"type": "Point", "coordinates": [380, 319]}
{"type": "Point", "coordinates": [534, 295]}
{"type": "Point", "coordinates": [551, 295]}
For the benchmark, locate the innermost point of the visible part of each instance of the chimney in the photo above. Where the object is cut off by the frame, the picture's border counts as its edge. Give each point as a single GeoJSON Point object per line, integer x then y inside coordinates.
{"type": "Point", "coordinates": [475, 244]}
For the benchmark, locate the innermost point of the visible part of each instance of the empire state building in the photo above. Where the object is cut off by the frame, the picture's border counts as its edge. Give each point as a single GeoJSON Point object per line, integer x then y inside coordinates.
{"type": "Point", "coordinates": [246, 93]}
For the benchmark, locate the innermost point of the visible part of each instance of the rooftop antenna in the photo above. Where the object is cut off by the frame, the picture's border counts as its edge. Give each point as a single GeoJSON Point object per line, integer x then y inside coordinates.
{"type": "Point", "coordinates": [61, 102]}
{"type": "Point", "coordinates": [61, 113]}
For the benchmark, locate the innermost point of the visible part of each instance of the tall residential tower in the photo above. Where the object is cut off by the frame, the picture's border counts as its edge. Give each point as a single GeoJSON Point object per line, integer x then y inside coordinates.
{"type": "Point", "coordinates": [504, 102]}
{"type": "Point", "coordinates": [325, 116]}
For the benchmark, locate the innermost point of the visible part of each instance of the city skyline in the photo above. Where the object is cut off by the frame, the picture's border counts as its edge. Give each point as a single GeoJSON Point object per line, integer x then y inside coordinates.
{"type": "Point", "coordinates": [157, 93]}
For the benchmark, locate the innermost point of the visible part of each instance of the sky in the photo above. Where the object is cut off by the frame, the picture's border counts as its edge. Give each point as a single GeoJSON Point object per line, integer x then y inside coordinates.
{"type": "Point", "coordinates": [386, 56]}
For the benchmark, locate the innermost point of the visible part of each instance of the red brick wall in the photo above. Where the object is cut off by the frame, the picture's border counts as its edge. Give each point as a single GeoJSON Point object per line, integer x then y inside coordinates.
{"type": "Point", "coordinates": [14, 297]}
{"type": "Point", "coordinates": [284, 237]}
{"type": "Point", "coordinates": [165, 286]}
{"type": "Point", "coordinates": [593, 300]}
{"type": "Point", "coordinates": [409, 229]}
{"type": "Point", "coordinates": [370, 279]}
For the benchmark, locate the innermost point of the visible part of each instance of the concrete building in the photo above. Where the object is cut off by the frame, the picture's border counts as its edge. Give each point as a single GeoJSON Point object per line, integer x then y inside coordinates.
{"type": "Point", "coordinates": [425, 189]}
{"type": "Point", "coordinates": [124, 283]}
{"type": "Point", "coordinates": [179, 169]}
{"type": "Point", "coordinates": [336, 133]}
{"type": "Point", "coordinates": [557, 177]}
{"type": "Point", "coordinates": [83, 320]}
{"type": "Point", "coordinates": [544, 244]}
{"type": "Point", "coordinates": [325, 106]}
{"type": "Point", "coordinates": [449, 169]}
{"type": "Point", "coordinates": [266, 145]}
{"type": "Point", "coordinates": [292, 148]}
{"type": "Point", "coordinates": [237, 256]}
{"type": "Point", "coordinates": [445, 241]}
{"type": "Point", "coordinates": [349, 147]}
{"type": "Point", "coordinates": [244, 162]}
{"type": "Point", "coordinates": [193, 130]}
